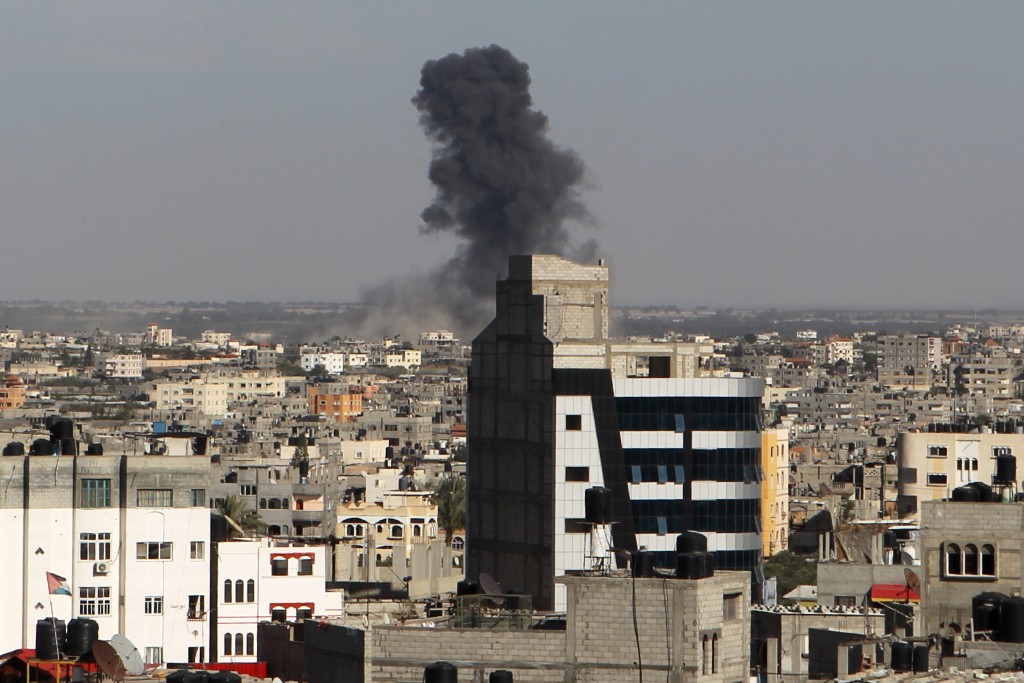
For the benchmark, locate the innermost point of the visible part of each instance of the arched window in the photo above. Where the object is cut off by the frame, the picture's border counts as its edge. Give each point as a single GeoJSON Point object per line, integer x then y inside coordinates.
{"type": "Point", "coordinates": [238, 643]}
{"type": "Point", "coordinates": [284, 503]}
{"type": "Point", "coordinates": [239, 591]}
{"type": "Point", "coordinates": [974, 464]}
{"type": "Point", "coordinates": [263, 503]}
{"type": "Point", "coordinates": [305, 566]}
{"type": "Point", "coordinates": [227, 590]}
{"type": "Point", "coordinates": [458, 543]}
{"type": "Point", "coordinates": [250, 591]}
{"type": "Point", "coordinates": [380, 528]}
{"type": "Point", "coordinates": [274, 530]}
{"type": "Point", "coordinates": [959, 464]}
{"type": "Point", "coordinates": [303, 613]}
{"type": "Point", "coordinates": [275, 504]}
{"type": "Point", "coordinates": [432, 530]}
{"type": "Point", "coordinates": [278, 614]}
{"type": "Point", "coordinates": [350, 529]}
{"type": "Point", "coordinates": [954, 566]}
{"type": "Point", "coordinates": [227, 643]}
{"type": "Point", "coordinates": [704, 655]}
{"type": "Point", "coordinates": [284, 529]}
{"type": "Point", "coordinates": [250, 644]}
{"type": "Point", "coordinates": [714, 653]}
{"type": "Point", "coordinates": [417, 531]}
{"type": "Point", "coordinates": [988, 560]}
{"type": "Point", "coordinates": [396, 530]}
{"type": "Point", "coordinates": [971, 564]}
{"type": "Point", "coordinates": [359, 529]}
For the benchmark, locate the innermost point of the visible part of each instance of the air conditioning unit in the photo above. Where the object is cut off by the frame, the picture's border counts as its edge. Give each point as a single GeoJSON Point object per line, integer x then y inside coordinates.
{"type": "Point", "coordinates": [100, 568]}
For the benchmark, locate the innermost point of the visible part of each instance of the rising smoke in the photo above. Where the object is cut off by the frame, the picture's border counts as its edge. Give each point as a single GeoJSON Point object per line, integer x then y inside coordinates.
{"type": "Point", "coordinates": [502, 187]}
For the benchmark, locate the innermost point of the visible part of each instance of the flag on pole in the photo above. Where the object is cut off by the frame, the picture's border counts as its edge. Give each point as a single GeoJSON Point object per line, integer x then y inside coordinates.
{"type": "Point", "coordinates": [57, 584]}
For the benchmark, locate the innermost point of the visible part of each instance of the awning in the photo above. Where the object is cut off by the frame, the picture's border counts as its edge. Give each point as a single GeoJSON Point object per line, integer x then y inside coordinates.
{"type": "Point", "coordinates": [894, 592]}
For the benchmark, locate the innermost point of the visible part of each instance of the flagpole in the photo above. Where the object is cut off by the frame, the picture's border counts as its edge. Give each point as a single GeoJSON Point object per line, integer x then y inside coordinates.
{"type": "Point", "coordinates": [53, 621]}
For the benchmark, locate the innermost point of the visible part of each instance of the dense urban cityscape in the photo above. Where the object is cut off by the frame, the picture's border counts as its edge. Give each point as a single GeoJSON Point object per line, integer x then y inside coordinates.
{"type": "Point", "coordinates": [762, 504]}
{"type": "Point", "coordinates": [327, 357]}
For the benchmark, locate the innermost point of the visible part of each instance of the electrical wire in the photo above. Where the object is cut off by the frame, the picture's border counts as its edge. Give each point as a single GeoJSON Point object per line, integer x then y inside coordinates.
{"type": "Point", "coordinates": [636, 634]}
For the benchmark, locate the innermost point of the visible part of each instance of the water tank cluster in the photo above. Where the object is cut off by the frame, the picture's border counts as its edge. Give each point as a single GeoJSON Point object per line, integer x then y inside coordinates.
{"type": "Point", "coordinates": [976, 492]}
{"type": "Point", "coordinates": [1000, 615]}
{"type": "Point", "coordinates": [909, 657]}
{"type": "Point", "coordinates": [57, 640]}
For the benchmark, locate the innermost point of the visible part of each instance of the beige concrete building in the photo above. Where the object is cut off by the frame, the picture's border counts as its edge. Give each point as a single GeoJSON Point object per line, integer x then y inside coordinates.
{"type": "Point", "coordinates": [932, 464]}
{"type": "Point", "coordinates": [689, 630]}
{"type": "Point", "coordinates": [967, 548]}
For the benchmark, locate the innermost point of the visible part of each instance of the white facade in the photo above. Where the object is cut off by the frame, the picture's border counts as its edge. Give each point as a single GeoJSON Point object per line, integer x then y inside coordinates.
{"type": "Point", "coordinates": [357, 360]}
{"type": "Point", "coordinates": [406, 358]}
{"type": "Point", "coordinates": [208, 398]}
{"type": "Point", "coordinates": [216, 338]}
{"type": "Point", "coordinates": [258, 581]}
{"type": "Point", "coordinates": [124, 366]}
{"type": "Point", "coordinates": [334, 362]}
{"type": "Point", "coordinates": [133, 543]}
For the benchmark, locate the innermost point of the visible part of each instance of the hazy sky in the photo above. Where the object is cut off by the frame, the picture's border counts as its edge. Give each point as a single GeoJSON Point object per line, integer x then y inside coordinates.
{"type": "Point", "coordinates": [741, 154]}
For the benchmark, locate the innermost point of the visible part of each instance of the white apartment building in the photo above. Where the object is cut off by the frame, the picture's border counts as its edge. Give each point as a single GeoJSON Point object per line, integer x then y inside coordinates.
{"type": "Point", "coordinates": [357, 360]}
{"type": "Point", "coordinates": [333, 362]}
{"type": "Point", "coordinates": [405, 358]}
{"type": "Point", "coordinates": [159, 336]}
{"type": "Point", "coordinates": [263, 580]}
{"type": "Point", "coordinates": [130, 534]}
{"type": "Point", "coordinates": [839, 349]}
{"type": "Point", "coordinates": [124, 366]}
{"type": "Point", "coordinates": [220, 339]}
{"type": "Point", "coordinates": [208, 398]}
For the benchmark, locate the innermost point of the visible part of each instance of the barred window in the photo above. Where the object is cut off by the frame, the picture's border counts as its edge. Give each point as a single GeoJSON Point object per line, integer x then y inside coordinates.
{"type": "Point", "coordinates": [155, 498]}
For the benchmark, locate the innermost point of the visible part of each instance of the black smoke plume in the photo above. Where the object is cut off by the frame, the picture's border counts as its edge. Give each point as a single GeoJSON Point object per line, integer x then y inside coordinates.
{"type": "Point", "coordinates": [502, 187]}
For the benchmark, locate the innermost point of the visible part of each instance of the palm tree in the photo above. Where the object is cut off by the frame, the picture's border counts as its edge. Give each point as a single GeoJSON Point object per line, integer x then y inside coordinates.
{"type": "Point", "coordinates": [242, 519]}
{"type": "Point", "coordinates": [450, 499]}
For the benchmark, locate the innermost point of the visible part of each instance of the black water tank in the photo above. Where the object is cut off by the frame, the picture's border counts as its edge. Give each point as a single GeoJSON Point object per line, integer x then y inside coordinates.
{"type": "Point", "coordinates": [902, 656]}
{"type": "Point", "coordinates": [598, 502]}
{"type": "Point", "coordinates": [986, 618]}
{"type": "Point", "coordinates": [68, 447]}
{"type": "Point", "coordinates": [691, 565]}
{"type": "Point", "coordinates": [14, 448]}
{"type": "Point", "coordinates": [889, 540]}
{"type": "Point", "coordinates": [467, 587]}
{"type": "Point", "coordinates": [50, 636]}
{"type": "Point", "coordinates": [1011, 621]}
{"type": "Point", "coordinates": [82, 633]}
{"type": "Point", "coordinates": [500, 676]}
{"type": "Point", "coordinates": [1006, 469]}
{"type": "Point", "coordinates": [691, 542]}
{"type": "Point", "coordinates": [966, 494]}
{"type": "Point", "coordinates": [947, 645]}
{"type": "Point", "coordinates": [94, 449]}
{"type": "Point", "coordinates": [921, 663]}
{"type": "Point", "coordinates": [440, 672]}
{"type": "Point", "coordinates": [643, 564]}
{"type": "Point", "coordinates": [41, 447]}
{"type": "Point", "coordinates": [62, 429]}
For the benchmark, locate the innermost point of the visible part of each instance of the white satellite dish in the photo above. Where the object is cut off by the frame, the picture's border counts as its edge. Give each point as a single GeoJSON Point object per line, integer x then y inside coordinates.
{"type": "Point", "coordinates": [128, 653]}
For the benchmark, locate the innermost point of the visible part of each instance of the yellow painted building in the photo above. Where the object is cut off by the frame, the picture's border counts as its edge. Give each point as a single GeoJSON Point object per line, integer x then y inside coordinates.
{"type": "Point", "coordinates": [775, 491]}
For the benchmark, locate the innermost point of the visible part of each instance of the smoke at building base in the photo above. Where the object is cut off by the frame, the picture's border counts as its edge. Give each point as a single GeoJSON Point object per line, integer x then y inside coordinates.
{"type": "Point", "coordinates": [501, 187]}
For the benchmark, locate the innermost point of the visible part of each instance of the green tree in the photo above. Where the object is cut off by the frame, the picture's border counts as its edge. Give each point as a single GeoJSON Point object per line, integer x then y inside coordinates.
{"type": "Point", "coordinates": [791, 570]}
{"type": "Point", "coordinates": [450, 499]}
{"type": "Point", "coordinates": [246, 520]}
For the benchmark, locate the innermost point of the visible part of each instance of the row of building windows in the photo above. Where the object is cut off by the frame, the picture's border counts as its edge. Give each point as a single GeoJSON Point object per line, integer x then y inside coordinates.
{"type": "Point", "coordinates": [236, 640]}
{"type": "Point", "coordinates": [671, 464]}
{"type": "Point", "coordinates": [969, 561]}
{"type": "Point", "coordinates": [95, 493]}
{"type": "Point", "coordinates": [243, 592]}
{"type": "Point", "coordinates": [279, 566]}
{"type": "Point", "coordinates": [943, 451]}
{"type": "Point", "coordinates": [395, 531]}
{"type": "Point", "coordinates": [697, 413]}
{"type": "Point", "coordinates": [662, 517]}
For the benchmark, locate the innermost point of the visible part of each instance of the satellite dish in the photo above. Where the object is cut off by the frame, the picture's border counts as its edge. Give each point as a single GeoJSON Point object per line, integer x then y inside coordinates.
{"type": "Point", "coordinates": [913, 582]}
{"type": "Point", "coordinates": [906, 558]}
{"type": "Point", "coordinates": [108, 660]}
{"type": "Point", "coordinates": [488, 583]}
{"type": "Point", "coordinates": [129, 654]}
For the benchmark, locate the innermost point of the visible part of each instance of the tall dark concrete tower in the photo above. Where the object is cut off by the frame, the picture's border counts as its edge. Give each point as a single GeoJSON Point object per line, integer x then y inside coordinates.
{"type": "Point", "coordinates": [556, 407]}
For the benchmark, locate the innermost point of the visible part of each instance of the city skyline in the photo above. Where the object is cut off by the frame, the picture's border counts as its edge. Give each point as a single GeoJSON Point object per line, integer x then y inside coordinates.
{"type": "Point", "coordinates": [792, 155]}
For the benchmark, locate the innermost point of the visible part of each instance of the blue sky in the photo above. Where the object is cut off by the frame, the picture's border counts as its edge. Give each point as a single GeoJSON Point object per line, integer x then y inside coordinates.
{"type": "Point", "coordinates": [738, 154]}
